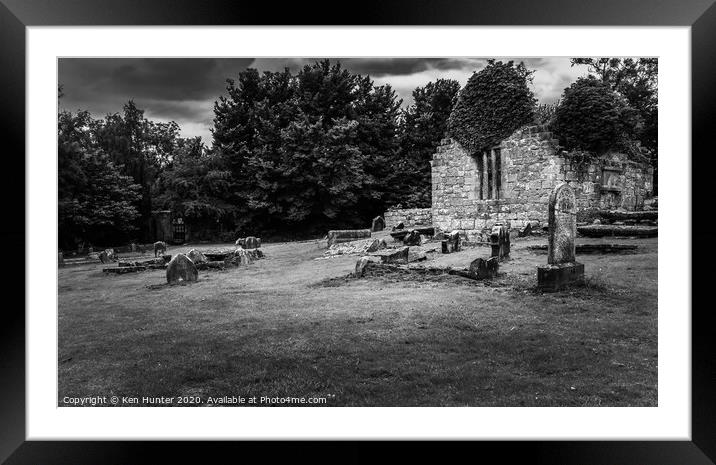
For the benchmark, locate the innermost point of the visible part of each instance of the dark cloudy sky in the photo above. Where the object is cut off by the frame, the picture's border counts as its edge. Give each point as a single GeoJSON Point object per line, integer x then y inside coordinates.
{"type": "Point", "coordinates": [184, 89]}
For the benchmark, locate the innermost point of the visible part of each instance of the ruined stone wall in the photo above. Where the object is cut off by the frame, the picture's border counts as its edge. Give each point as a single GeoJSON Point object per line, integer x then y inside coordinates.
{"type": "Point", "coordinates": [408, 216]}
{"type": "Point", "coordinates": [531, 167]}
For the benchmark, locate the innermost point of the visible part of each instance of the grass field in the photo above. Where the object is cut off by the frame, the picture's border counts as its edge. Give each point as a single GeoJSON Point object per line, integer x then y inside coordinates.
{"type": "Point", "coordinates": [290, 325]}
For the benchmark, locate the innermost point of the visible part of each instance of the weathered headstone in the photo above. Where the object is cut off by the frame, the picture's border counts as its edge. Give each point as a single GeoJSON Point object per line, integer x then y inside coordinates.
{"type": "Point", "coordinates": [106, 256]}
{"type": "Point", "coordinates": [454, 239]}
{"type": "Point", "coordinates": [378, 224]}
{"type": "Point", "coordinates": [412, 238]}
{"type": "Point", "coordinates": [500, 241]}
{"type": "Point", "coordinates": [376, 245]}
{"type": "Point", "coordinates": [361, 266]}
{"type": "Point", "coordinates": [526, 231]}
{"type": "Point", "coordinates": [252, 242]}
{"type": "Point", "coordinates": [181, 269]}
{"type": "Point", "coordinates": [241, 257]}
{"type": "Point", "coordinates": [482, 268]}
{"type": "Point", "coordinates": [562, 268]}
{"type": "Point", "coordinates": [196, 257]}
{"type": "Point", "coordinates": [452, 243]}
{"type": "Point", "coordinates": [60, 259]}
{"type": "Point", "coordinates": [160, 248]}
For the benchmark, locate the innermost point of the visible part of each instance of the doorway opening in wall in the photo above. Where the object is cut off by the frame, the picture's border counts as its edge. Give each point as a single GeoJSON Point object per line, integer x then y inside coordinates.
{"type": "Point", "coordinates": [489, 174]}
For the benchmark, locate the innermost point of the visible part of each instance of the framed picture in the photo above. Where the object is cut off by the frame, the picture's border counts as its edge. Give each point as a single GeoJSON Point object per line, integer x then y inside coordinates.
{"type": "Point", "coordinates": [414, 222]}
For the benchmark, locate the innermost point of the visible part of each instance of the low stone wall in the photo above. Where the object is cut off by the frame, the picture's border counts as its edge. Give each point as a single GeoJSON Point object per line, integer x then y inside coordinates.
{"type": "Point", "coordinates": [531, 166]}
{"type": "Point", "coordinates": [409, 217]}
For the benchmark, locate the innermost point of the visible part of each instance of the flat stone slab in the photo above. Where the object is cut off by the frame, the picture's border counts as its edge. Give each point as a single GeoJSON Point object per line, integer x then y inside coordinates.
{"type": "Point", "coordinates": [360, 247]}
{"type": "Point", "coordinates": [393, 255]}
{"type": "Point", "coordinates": [425, 230]}
{"type": "Point", "coordinates": [218, 255]}
{"type": "Point", "coordinates": [399, 235]}
{"type": "Point", "coordinates": [336, 236]}
{"type": "Point", "coordinates": [591, 248]}
{"type": "Point", "coordinates": [124, 269]}
{"type": "Point", "coordinates": [605, 230]}
{"type": "Point", "coordinates": [553, 278]}
{"type": "Point", "coordinates": [615, 215]}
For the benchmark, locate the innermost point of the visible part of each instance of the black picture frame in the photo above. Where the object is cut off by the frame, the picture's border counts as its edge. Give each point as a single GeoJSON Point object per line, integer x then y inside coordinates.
{"type": "Point", "coordinates": [16, 15]}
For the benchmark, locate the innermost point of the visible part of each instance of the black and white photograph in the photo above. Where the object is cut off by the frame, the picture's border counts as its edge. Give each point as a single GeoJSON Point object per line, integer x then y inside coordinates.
{"type": "Point", "coordinates": [357, 231]}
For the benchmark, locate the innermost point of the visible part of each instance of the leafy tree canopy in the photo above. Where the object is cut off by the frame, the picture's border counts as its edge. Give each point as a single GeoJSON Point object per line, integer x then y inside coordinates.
{"type": "Point", "coordinates": [306, 150]}
{"type": "Point", "coordinates": [593, 118]}
{"type": "Point", "coordinates": [636, 80]}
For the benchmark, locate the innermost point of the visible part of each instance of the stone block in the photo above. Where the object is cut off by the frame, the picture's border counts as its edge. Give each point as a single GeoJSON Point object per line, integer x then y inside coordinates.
{"type": "Point", "coordinates": [394, 255]}
{"type": "Point", "coordinates": [556, 277]}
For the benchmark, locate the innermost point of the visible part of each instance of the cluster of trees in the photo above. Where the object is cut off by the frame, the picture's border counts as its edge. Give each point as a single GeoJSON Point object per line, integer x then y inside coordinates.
{"type": "Point", "coordinates": [106, 169]}
{"type": "Point", "coordinates": [300, 152]}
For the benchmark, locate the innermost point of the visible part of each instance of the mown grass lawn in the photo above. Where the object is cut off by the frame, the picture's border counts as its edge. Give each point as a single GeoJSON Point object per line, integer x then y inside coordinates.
{"type": "Point", "coordinates": [285, 326]}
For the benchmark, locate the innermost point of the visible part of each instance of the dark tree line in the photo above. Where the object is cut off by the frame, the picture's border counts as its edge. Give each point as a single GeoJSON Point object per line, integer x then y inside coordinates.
{"type": "Point", "coordinates": [292, 153]}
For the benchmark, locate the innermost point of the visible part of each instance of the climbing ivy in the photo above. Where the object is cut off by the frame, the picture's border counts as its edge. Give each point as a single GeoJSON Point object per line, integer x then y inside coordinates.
{"type": "Point", "coordinates": [493, 104]}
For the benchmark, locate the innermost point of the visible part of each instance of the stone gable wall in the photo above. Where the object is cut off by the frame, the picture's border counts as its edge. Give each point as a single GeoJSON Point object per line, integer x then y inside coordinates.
{"type": "Point", "coordinates": [532, 166]}
{"type": "Point", "coordinates": [408, 216]}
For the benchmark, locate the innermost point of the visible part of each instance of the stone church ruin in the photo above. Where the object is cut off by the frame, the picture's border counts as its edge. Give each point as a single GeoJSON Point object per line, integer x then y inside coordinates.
{"type": "Point", "coordinates": [512, 182]}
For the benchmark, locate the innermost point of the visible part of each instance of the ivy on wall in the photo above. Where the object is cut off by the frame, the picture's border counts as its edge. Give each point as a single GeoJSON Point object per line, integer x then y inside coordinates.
{"type": "Point", "coordinates": [493, 104]}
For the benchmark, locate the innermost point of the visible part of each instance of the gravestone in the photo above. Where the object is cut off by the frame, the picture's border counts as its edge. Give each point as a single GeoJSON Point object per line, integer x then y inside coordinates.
{"type": "Point", "coordinates": [196, 257]}
{"type": "Point", "coordinates": [562, 268]}
{"type": "Point", "coordinates": [241, 257]}
{"type": "Point", "coordinates": [107, 256]}
{"type": "Point", "coordinates": [361, 265]}
{"type": "Point", "coordinates": [481, 268]}
{"type": "Point", "coordinates": [452, 243]}
{"type": "Point", "coordinates": [252, 242]}
{"type": "Point", "coordinates": [160, 248]}
{"type": "Point", "coordinates": [378, 224]}
{"type": "Point", "coordinates": [526, 231]}
{"type": "Point", "coordinates": [500, 241]}
{"type": "Point", "coordinates": [412, 238]}
{"type": "Point", "coordinates": [181, 269]}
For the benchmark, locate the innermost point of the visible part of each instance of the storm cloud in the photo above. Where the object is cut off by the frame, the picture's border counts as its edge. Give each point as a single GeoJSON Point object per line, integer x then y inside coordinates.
{"type": "Point", "coordinates": [185, 89]}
